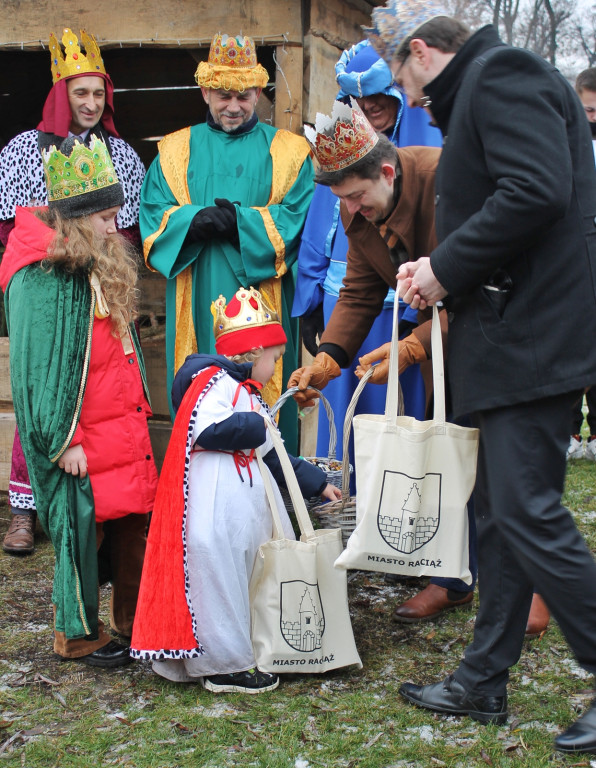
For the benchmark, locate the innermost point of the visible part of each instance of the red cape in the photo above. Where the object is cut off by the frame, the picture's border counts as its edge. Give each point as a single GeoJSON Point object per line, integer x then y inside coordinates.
{"type": "Point", "coordinates": [163, 625]}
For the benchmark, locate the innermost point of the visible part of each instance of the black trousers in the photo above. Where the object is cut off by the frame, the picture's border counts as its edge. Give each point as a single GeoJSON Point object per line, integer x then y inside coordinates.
{"type": "Point", "coordinates": [526, 540]}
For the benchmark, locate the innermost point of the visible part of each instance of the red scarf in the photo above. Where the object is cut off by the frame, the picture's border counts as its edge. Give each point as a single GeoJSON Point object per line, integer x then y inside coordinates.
{"type": "Point", "coordinates": [57, 117]}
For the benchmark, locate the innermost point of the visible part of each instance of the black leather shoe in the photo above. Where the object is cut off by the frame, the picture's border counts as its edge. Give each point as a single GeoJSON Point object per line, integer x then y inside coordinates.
{"type": "Point", "coordinates": [452, 698]}
{"type": "Point", "coordinates": [581, 736]}
{"type": "Point", "coordinates": [111, 655]}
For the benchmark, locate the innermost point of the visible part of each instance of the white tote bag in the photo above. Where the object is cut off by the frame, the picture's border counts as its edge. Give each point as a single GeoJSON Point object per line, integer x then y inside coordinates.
{"type": "Point", "coordinates": [300, 620]}
{"type": "Point", "coordinates": [413, 482]}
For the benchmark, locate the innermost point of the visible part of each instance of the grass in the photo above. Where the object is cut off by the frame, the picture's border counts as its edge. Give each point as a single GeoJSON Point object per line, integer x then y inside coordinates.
{"type": "Point", "coordinates": [57, 714]}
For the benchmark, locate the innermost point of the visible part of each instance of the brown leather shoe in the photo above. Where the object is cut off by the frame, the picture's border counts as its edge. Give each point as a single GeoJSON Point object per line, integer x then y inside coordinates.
{"type": "Point", "coordinates": [429, 603]}
{"type": "Point", "coordinates": [19, 537]}
{"type": "Point", "coordinates": [538, 618]}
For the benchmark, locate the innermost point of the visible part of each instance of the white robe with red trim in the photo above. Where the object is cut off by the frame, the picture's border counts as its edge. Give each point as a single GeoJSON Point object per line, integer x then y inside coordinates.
{"type": "Point", "coordinates": [226, 522]}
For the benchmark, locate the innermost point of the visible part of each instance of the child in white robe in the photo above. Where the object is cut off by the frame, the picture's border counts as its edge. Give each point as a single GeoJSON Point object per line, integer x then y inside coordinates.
{"type": "Point", "coordinates": [211, 512]}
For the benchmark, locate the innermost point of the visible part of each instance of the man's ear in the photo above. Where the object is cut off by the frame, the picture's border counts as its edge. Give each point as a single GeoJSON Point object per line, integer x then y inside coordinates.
{"type": "Point", "coordinates": [419, 51]}
{"type": "Point", "coordinates": [205, 92]}
{"type": "Point", "coordinates": [258, 91]}
{"type": "Point", "coordinates": [388, 172]}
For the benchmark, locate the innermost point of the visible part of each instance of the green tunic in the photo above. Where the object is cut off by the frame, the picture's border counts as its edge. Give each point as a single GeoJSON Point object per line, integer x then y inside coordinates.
{"type": "Point", "coordinates": [205, 163]}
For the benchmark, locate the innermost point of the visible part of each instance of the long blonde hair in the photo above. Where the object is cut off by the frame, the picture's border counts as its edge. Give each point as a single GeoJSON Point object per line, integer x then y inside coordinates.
{"type": "Point", "coordinates": [77, 246]}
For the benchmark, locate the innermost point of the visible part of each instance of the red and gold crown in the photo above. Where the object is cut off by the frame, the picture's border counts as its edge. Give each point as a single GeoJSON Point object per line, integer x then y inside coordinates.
{"type": "Point", "coordinates": [232, 65]}
{"type": "Point", "coordinates": [342, 139]}
{"type": "Point", "coordinates": [245, 323]}
{"type": "Point", "coordinates": [73, 61]}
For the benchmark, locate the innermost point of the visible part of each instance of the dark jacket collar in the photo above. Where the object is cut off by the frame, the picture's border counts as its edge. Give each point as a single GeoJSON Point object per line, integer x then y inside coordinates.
{"type": "Point", "coordinates": [239, 131]}
{"type": "Point", "coordinates": [443, 89]}
{"type": "Point", "coordinates": [194, 363]}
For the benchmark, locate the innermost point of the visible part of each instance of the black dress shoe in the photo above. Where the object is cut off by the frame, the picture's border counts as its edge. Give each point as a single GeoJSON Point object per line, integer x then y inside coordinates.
{"type": "Point", "coordinates": [111, 655]}
{"type": "Point", "coordinates": [581, 736]}
{"type": "Point", "coordinates": [452, 698]}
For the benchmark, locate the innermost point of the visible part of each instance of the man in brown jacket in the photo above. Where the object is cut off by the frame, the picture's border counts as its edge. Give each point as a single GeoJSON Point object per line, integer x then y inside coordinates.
{"type": "Point", "coordinates": [387, 209]}
{"type": "Point", "coordinates": [388, 213]}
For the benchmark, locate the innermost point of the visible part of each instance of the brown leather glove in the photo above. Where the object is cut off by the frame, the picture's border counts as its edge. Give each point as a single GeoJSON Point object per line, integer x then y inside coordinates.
{"type": "Point", "coordinates": [410, 351]}
{"type": "Point", "coordinates": [318, 374]}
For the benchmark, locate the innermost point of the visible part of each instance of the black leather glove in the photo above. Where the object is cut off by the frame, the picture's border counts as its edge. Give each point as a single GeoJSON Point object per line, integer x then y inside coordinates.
{"type": "Point", "coordinates": [313, 325]}
{"type": "Point", "coordinates": [214, 221]}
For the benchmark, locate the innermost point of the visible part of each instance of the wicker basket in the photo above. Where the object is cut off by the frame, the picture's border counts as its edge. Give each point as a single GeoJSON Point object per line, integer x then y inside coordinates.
{"type": "Point", "coordinates": [342, 513]}
{"type": "Point", "coordinates": [330, 465]}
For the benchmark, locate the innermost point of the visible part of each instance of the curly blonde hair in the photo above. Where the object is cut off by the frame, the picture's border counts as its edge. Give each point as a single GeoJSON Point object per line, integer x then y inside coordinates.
{"type": "Point", "coordinates": [77, 246]}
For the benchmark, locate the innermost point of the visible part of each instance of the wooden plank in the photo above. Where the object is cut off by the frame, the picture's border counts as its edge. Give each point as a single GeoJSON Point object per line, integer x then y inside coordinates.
{"type": "Point", "coordinates": [339, 22]}
{"type": "Point", "coordinates": [159, 432]}
{"type": "Point", "coordinates": [5, 393]}
{"type": "Point", "coordinates": [152, 286]}
{"type": "Point", "coordinates": [154, 353]}
{"type": "Point", "coordinates": [188, 23]}
{"type": "Point", "coordinates": [288, 87]}
{"type": "Point", "coordinates": [7, 427]}
{"type": "Point", "coordinates": [320, 86]}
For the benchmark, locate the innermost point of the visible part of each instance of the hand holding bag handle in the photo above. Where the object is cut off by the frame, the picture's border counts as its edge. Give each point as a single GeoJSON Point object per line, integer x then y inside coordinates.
{"type": "Point", "coordinates": [331, 453]}
{"type": "Point", "coordinates": [304, 521]}
{"type": "Point", "coordinates": [392, 400]}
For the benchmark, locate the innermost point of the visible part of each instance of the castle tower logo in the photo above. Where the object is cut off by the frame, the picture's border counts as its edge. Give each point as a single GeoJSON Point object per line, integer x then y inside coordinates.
{"type": "Point", "coordinates": [302, 621]}
{"type": "Point", "coordinates": [409, 510]}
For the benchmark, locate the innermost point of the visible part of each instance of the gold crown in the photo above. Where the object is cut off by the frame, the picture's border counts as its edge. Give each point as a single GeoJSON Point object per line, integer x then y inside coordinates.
{"type": "Point", "coordinates": [249, 311]}
{"type": "Point", "coordinates": [341, 139]}
{"type": "Point", "coordinates": [232, 65]}
{"type": "Point", "coordinates": [73, 61]}
{"type": "Point", "coordinates": [86, 169]}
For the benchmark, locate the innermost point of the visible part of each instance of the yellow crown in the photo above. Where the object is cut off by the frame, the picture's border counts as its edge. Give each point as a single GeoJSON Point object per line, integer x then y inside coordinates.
{"type": "Point", "coordinates": [73, 61]}
{"type": "Point", "coordinates": [232, 65]}
{"type": "Point", "coordinates": [247, 309]}
{"type": "Point", "coordinates": [341, 139]}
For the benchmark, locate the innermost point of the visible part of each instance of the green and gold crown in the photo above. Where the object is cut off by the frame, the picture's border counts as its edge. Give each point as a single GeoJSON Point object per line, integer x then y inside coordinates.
{"type": "Point", "coordinates": [86, 169]}
{"type": "Point", "coordinates": [73, 61]}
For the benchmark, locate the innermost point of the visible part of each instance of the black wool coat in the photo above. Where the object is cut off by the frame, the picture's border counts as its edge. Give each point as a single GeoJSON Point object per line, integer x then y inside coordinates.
{"type": "Point", "coordinates": [516, 226]}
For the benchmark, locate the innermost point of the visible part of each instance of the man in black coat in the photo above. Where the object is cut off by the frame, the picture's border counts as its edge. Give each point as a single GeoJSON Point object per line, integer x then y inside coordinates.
{"type": "Point", "coordinates": [516, 267]}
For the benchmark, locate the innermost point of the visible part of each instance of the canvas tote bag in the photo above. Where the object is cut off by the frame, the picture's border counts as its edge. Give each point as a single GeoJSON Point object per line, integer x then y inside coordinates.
{"type": "Point", "coordinates": [300, 620]}
{"type": "Point", "coordinates": [413, 482]}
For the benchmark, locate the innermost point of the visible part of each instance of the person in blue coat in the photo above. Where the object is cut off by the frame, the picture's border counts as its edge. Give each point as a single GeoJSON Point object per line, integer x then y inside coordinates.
{"type": "Point", "coordinates": [364, 76]}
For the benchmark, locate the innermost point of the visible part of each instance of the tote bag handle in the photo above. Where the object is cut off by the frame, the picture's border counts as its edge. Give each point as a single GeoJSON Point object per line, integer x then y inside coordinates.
{"type": "Point", "coordinates": [304, 521]}
{"type": "Point", "coordinates": [436, 342]}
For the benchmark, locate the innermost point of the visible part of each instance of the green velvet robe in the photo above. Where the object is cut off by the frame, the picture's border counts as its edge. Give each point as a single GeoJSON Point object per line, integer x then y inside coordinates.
{"type": "Point", "coordinates": [240, 168]}
{"type": "Point", "coordinates": [50, 320]}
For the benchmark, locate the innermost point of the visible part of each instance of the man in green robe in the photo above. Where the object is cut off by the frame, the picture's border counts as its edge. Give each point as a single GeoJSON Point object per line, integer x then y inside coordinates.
{"type": "Point", "coordinates": [223, 205]}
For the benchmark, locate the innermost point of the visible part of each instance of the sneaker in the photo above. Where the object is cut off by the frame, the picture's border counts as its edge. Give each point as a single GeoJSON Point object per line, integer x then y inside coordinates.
{"type": "Point", "coordinates": [590, 448]}
{"type": "Point", "coordinates": [576, 448]}
{"type": "Point", "coordinates": [251, 681]}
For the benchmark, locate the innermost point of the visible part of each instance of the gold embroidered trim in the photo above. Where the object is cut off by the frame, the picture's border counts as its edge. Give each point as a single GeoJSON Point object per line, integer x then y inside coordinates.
{"type": "Point", "coordinates": [174, 156]}
{"type": "Point", "coordinates": [150, 239]}
{"type": "Point", "coordinates": [288, 152]}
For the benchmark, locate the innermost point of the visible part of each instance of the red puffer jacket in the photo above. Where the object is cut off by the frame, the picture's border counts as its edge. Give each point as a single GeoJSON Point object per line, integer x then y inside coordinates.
{"type": "Point", "coordinates": [113, 429]}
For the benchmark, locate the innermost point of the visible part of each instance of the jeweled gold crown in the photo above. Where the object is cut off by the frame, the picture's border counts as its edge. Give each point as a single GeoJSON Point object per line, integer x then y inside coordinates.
{"type": "Point", "coordinates": [229, 51]}
{"type": "Point", "coordinates": [246, 309]}
{"type": "Point", "coordinates": [86, 169]}
{"type": "Point", "coordinates": [232, 65]}
{"type": "Point", "coordinates": [341, 139]}
{"type": "Point", "coordinates": [73, 61]}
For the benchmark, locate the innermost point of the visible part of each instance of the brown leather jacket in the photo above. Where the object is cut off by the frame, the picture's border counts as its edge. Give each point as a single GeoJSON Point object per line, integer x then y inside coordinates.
{"type": "Point", "coordinates": [370, 270]}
